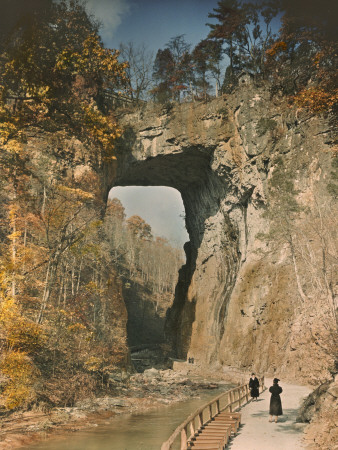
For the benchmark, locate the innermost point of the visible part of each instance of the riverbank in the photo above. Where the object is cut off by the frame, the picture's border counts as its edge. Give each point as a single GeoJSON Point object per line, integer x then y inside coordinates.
{"type": "Point", "coordinates": [138, 394]}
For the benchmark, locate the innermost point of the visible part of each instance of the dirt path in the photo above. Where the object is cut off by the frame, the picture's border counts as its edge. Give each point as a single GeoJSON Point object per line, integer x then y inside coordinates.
{"type": "Point", "coordinates": [257, 433]}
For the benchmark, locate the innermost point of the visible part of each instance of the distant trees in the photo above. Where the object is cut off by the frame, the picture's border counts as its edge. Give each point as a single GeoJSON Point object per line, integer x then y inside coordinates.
{"type": "Point", "coordinates": [144, 257]}
{"type": "Point", "coordinates": [60, 281]}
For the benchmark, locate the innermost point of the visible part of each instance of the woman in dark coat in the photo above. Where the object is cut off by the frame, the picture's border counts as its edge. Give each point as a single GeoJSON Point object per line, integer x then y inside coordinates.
{"type": "Point", "coordinates": [275, 401]}
{"type": "Point", "coordinates": [254, 385]}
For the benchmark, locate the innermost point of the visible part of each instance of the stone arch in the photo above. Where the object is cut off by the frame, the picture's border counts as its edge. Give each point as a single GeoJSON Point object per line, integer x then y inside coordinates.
{"type": "Point", "coordinates": [179, 150]}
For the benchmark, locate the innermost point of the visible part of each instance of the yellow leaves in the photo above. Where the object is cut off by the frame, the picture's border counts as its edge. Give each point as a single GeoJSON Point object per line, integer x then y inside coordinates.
{"type": "Point", "coordinates": [76, 327]}
{"type": "Point", "coordinates": [14, 236]}
{"type": "Point", "coordinates": [78, 194]}
{"type": "Point", "coordinates": [12, 212]}
{"type": "Point", "coordinates": [102, 129]}
{"type": "Point", "coordinates": [8, 129]}
{"type": "Point", "coordinates": [65, 59]}
{"type": "Point", "coordinates": [19, 333]}
{"type": "Point", "coordinates": [277, 47]}
{"type": "Point", "coordinates": [17, 365]}
{"type": "Point", "coordinates": [316, 99]}
{"type": "Point", "coordinates": [13, 146]}
{"type": "Point", "coordinates": [17, 395]}
{"type": "Point", "coordinates": [92, 286]}
{"type": "Point", "coordinates": [8, 311]}
{"type": "Point", "coordinates": [21, 374]}
{"type": "Point", "coordinates": [93, 60]}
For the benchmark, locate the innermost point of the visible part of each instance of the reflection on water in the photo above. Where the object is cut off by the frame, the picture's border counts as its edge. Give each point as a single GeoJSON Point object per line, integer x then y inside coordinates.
{"type": "Point", "coordinates": [131, 432]}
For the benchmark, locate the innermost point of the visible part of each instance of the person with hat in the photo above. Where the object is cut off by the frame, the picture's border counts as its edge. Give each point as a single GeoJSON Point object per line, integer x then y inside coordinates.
{"type": "Point", "coordinates": [275, 401]}
{"type": "Point", "coordinates": [254, 385]}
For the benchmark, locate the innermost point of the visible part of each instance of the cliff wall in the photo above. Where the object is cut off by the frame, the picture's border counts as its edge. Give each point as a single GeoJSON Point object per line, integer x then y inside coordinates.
{"type": "Point", "coordinates": [256, 179]}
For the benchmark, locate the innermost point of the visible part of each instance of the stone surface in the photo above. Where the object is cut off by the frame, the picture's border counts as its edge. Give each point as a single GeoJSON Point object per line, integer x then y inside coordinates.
{"type": "Point", "coordinates": [321, 410]}
{"type": "Point", "coordinates": [237, 301]}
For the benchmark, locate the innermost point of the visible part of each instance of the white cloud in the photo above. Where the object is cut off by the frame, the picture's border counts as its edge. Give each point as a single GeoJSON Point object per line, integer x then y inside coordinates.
{"type": "Point", "coordinates": [109, 13]}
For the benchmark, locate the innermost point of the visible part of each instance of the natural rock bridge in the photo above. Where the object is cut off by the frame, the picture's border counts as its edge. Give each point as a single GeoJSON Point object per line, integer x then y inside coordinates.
{"type": "Point", "coordinates": [229, 301]}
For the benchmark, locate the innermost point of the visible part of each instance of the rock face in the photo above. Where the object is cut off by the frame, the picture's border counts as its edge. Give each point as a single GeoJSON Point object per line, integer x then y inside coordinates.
{"type": "Point", "coordinates": [320, 409]}
{"type": "Point", "coordinates": [242, 300]}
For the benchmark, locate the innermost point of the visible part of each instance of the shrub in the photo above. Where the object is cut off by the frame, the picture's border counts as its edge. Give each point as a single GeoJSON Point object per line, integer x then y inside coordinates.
{"type": "Point", "coordinates": [21, 374]}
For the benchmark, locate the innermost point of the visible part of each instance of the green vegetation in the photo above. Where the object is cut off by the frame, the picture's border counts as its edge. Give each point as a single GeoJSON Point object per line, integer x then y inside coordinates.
{"type": "Point", "coordinates": [264, 125]}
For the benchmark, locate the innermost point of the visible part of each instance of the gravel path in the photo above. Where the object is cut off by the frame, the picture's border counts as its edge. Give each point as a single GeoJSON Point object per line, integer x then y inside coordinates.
{"type": "Point", "coordinates": [256, 433]}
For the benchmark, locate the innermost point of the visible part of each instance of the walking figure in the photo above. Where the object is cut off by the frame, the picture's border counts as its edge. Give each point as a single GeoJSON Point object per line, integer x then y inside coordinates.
{"type": "Point", "coordinates": [275, 401]}
{"type": "Point", "coordinates": [254, 386]}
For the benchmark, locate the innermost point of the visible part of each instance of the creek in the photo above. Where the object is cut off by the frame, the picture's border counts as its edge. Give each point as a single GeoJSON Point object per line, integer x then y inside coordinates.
{"type": "Point", "coordinates": [145, 431]}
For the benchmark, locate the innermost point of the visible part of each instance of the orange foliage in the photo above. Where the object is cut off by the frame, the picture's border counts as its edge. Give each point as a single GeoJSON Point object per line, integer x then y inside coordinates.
{"type": "Point", "coordinates": [317, 99]}
{"type": "Point", "coordinates": [277, 47]}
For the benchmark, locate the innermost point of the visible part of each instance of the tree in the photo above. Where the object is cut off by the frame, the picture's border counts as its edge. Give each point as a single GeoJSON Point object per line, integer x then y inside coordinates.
{"type": "Point", "coordinates": [302, 61]}
{"type": "Point", "coordinates": [52, 72]}
{"type": "Point", "coordinates": [57, 285]}
{"type": "Point", "coordinates": [162, 73]}
{"type": "Point", "coordinates": [140, 62]}
{"type": "Point", "coordinates": [139, 229]}
{"type": "Point", "coordinates": [206, 57]}
{"type": "Point", "coordinates": [230, 20]}
{"type": "Point", "coordinates": [200, 55]}
{"type": "Point", "coordinates": [246, 41]}
{"type": "Point", "coordinates": [172, 69]}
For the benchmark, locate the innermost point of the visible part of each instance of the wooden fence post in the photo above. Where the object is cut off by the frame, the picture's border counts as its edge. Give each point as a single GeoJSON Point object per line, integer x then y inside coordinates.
{"type": "Point", "coordinates": [184, 438]}
{"type": "Point", "coordinates": [200, 419]}
{"type": "Point", "coordinates": [192, 428]}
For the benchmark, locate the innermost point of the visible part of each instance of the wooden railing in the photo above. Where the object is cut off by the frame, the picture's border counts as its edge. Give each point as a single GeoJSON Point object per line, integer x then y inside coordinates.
{"type": "Point", "coordinates": [227, 401]}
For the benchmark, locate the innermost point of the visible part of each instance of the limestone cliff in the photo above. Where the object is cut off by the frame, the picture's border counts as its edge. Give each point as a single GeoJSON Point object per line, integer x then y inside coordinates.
{"type": "Point", "coordinates": [251, 294]}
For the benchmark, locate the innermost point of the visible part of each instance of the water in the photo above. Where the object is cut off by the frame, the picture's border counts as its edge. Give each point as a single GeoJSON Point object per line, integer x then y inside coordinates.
{"type": "Point", "coordinates": [131, 432]}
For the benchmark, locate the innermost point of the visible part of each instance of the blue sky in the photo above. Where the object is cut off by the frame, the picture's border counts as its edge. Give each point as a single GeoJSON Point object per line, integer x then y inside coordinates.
{"type": "Point", "coordinates": [153, 23]}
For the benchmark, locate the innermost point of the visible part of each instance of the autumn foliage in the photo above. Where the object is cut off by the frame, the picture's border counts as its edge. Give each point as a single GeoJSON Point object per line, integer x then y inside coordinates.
{"type": "Point", "coordinates": [53, 72]}
{"type": "Point", "coordinates": [58, 293]}
{"type": "Point", "coordinates": [289, 44]}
